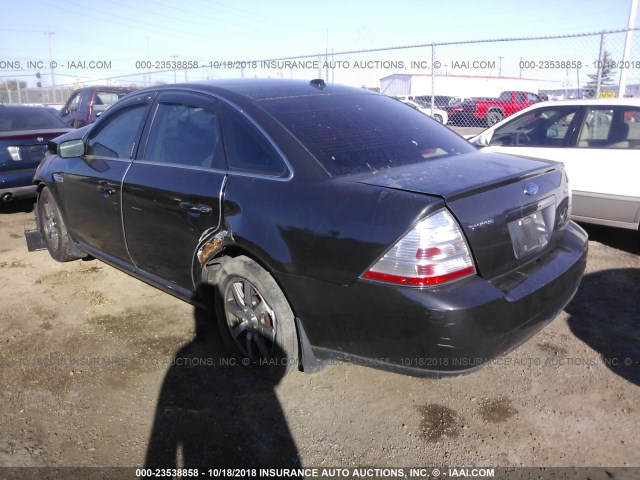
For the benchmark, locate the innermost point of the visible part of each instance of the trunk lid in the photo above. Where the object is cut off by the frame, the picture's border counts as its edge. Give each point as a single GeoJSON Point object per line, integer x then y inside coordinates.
{"type": "Point", "coordinates": [25, 149]}
{"type": "Point", "coordinates": [508, 207]}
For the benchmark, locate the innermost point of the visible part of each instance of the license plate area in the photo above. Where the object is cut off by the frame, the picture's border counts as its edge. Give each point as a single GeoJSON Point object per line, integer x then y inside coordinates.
{"type": "Point", "coordinates": [33, 153]}
{"type": "Point", "coordinates": [532, 232]}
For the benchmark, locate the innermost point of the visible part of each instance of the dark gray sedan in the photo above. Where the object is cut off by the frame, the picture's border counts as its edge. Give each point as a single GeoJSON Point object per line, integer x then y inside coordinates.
{"type": "Point", "coordinates": [319, 221]}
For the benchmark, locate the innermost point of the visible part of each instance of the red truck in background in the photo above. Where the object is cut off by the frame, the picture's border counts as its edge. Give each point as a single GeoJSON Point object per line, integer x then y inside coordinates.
{"type": "Point", "coordinates": [489, 111]}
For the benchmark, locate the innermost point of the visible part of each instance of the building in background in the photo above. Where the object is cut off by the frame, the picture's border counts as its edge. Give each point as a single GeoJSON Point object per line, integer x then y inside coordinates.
{"type": "Point", "coordinates": [464, 86]}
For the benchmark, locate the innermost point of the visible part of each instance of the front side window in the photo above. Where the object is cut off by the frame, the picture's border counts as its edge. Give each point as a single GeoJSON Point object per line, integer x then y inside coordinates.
{"type": "Point", "coordinates": [116, 136]}
{"type": "Point", "coordinates": [185, 135]}
{"type": "Point", "coordinates": [74, 102]}
{"type": "Point", "coordinates": [548, 127]}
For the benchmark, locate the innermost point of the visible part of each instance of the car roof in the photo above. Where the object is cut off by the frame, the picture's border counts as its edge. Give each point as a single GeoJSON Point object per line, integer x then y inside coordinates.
{"type": "Point", "coordinates": [635, 102]}
{"type": "Point", "coordinates": [112, 88]}
{"type": "Point", "coordinates": [262, 89]}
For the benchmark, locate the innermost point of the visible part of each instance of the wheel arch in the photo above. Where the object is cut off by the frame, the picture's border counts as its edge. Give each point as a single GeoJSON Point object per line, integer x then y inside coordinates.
{"type": "Point", "coordinates": [499, 110]}
{"type": "Point", "coordinates": [223, 246]}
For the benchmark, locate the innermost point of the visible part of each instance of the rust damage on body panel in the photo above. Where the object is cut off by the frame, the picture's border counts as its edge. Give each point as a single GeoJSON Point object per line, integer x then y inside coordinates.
{"type": "Point", "coordinates": [213, 246]}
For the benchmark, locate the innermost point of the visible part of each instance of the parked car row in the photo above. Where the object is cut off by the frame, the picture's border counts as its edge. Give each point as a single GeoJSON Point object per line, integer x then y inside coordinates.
{"type": "Point", "coordinates": [437, 114]}
{"type": "Point", "coordinates": [25, 131]}
{"type": "Point", "coordinates": [474, 111]}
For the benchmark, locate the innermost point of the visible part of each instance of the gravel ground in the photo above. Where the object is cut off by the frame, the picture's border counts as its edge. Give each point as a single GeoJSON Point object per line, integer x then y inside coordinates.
{"type": "Point", "coordinates": [99, 369]}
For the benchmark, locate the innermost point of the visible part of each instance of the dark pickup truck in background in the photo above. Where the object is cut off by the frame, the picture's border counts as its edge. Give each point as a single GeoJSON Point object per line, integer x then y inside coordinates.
{"type": "Point", "coordinates": [480, 112]}
{"type": "Point", "coordinates": [86, 104]}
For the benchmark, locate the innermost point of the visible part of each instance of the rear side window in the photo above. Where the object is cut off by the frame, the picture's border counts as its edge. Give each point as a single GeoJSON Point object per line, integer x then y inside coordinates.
{"type": "Point", "coordinates": [116, 136]}
{"type": "Point", "coordinates": [358, 133]}
{"type": "Point", "coordinates": [108, 98]}
{"type": "Point", "coordinates": [248, 150]}
{"type": "Point", "coordinates": [185, 134]}
{"type": "Point", "coordinates": [611, 127]}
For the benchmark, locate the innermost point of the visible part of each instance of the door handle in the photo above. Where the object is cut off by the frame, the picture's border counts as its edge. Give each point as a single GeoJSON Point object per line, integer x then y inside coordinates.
{"type": "Point", "coordinates": [196, 208]}
{"type": "Point", "coordinates": [106, 190]}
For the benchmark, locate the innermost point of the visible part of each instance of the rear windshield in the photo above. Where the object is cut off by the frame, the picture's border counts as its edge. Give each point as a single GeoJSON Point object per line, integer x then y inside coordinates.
{"type": "Point", "coordinates": [352, 134]}
{"type": "Point", "coordinates": [24, 118]}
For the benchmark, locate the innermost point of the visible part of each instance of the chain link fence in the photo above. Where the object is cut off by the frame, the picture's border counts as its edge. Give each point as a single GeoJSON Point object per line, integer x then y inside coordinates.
{"type": "Point", "coordinates": [438, 75]}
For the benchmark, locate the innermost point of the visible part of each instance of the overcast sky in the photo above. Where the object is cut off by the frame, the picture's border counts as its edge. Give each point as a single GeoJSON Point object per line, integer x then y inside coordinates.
{"type": "Point", "coordinates": [122, 32]}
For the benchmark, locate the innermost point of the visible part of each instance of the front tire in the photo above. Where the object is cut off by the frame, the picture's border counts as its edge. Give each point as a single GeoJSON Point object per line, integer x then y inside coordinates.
{"type": "Point", "coordinates": [438, 118]}
{"type": "Point", "coordinates": [255, 317]}
{"type": "Point", "coordinates": [53, 229]}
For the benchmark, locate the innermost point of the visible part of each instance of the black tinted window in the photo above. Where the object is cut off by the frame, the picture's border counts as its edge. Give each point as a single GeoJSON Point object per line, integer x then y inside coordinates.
{"type": "Point", "coordinates": [248, 149]}
{"type": "Point", "coordinates": [184, 135]}
{"type": "Point", "coordinates": [24, 118]}
{"type": "Point", "coordinates": [116, 136]}
{"type": "Point", "coordinates": [352, 134]}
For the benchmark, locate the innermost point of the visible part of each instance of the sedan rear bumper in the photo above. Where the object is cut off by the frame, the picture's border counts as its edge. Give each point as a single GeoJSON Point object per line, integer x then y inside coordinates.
{"type": "Point", "coordinates": [9, 194]}
{"type": "Point", "coordinates": [450, 329]}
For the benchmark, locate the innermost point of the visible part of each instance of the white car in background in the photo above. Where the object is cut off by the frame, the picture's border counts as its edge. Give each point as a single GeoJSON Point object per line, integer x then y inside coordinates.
{"type": "Point", "coordinates": [435, 113]}
{"type": "Point", "coordinates": [599, 143]}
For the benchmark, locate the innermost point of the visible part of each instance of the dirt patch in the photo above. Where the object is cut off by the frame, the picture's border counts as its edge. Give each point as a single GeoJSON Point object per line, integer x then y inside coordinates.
{"type": "Point", "coordinates": [438, 421]}
{"type": "Point", "coordinates": [99, 369]}
{"type": "Point", "coordinates": [496, 410]}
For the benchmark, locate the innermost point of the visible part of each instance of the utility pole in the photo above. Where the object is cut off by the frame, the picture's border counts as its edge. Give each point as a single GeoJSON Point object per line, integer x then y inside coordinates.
{"type": "Point", "coordinates": [53, 76]}
{"type": "Point", "coordinates": [174, 69]}
{"type": "Point", "coordinates": [622, 88]}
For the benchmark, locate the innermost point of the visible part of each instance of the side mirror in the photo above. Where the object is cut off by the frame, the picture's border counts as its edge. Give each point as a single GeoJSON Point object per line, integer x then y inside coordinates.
{"type": "Point", "coordinates": [552, 132]}
{"type": "Point", "coordinates": [483, 139]}
{"type": "Point", "coordinates": [71, 148]}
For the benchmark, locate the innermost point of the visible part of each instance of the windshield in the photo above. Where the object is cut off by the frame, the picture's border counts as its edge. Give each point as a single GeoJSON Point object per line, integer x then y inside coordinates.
{"type": "Point", "coordinates": [351, 134]}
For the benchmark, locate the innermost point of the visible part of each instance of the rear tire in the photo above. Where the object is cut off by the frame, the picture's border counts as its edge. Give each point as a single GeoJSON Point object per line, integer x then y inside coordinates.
{"type": "Point", "coordinates": [255, 318]}
{"type": "Point", "coordinates": [53, 229]}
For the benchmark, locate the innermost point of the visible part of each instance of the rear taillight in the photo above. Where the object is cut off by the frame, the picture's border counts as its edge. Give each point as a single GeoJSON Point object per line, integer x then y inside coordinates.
{"type": "Point", "coordinates": [14, 153]}
{"type": "Point", "coordinates": [433, 252]}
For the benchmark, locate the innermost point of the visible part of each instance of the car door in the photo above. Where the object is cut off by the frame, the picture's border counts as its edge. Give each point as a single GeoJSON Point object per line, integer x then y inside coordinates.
{"type": "Point", "coordinates": [537, 132]}
{"type": "Point", "coordinates": [599, 147]}
{"type": "Point", "coordinates": [604, 166]}
{"type": "Point", "coordinates": [172, 192]}
{"type": "Point", "coordinates": [91, 185]}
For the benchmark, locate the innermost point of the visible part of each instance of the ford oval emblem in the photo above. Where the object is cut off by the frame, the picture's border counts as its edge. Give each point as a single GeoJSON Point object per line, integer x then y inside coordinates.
{"type": "Point", "coordinates": [530, 189]}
